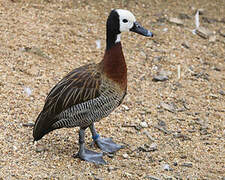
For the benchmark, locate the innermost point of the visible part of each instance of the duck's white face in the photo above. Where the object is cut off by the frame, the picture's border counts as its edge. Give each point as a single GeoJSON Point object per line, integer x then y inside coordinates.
{"type": "Point", "coordinates": [126, 19]}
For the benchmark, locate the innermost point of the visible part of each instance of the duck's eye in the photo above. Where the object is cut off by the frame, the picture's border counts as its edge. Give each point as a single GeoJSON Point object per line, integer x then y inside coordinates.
{"type": "Point", "coordinates": [125, 20]}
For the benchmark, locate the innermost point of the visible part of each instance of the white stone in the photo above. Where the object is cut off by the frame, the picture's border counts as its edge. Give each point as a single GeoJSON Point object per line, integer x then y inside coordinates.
{"type": "Point", "coordinates": [143, 124]}
{"type": "Point", "coordinates": [98, 43]}
{"type": "Point", "coordinates": [125, 156]}
{"type": "Point", "coordinates": [28, 91]}
{"type": "Point", "coordinates": [126, 107]}
{"type": "Point", "coordinates": [166, 167]}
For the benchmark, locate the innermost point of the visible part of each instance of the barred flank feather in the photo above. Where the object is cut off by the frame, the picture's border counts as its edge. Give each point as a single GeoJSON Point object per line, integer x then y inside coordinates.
{"type": "Point", "coordinates": [90, 111]}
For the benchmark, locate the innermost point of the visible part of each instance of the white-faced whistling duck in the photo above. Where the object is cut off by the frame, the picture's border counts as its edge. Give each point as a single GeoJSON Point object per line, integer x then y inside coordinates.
{"type": "Point", "coordinates": [91, 92]}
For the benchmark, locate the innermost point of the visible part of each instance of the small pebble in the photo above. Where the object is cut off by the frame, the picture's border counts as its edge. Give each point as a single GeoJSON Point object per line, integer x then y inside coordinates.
{"type": "Point", "coordinates": [153, 146]}
{"type": "Point", "coordinates": [15, 148]}
{"type": "Point", "coordinates": [161, 123]}
{"type": "Point", "coordinates": [40, 149]}
{"type": "Point", "coordinates": [143, 124]}
{"type": "Point", "coordinates": [183, 157]}
{"type": "Point", "coordinates": [28, 124]}
{"type": "Point", "coordinates": [24, 49]}
{"type": "Point", "coordinates": [162, 75]}
{"type": "Point", "coordinates": [216, 68]}
{"type": "Point", "coordinates": [169, 107]}
{"type": "Point", "coordinates": [212, 38]}
{"type": "Point", "coordinates": [165, 29]}
{"type": "Point", "coordinates": [125, 107]}
{"type": "Point", "coordinates": [151, 177]}
{"type": "Point", "coordinates": [203, 32]}
{"type": "Point", "coordinates": [125, 156]}
{"type": "Point", "coordinates": [201, 11]}
{"type": "Point", "coordinates": [110, 168]}
{"type": "Point", "coordinates": [160, 78]}
{"type": "Point", "coordinates": [203, 131]}
{"type": "Point", "coordinates": [191, 130]}
{"type": "Point", "coordinates": [209, 20]}
{"type": "Point", "coordinates": [184, 16]}
{"type": "Point", "coordinates": [181, 136]}
{"type": "Point", "coordinates": [126, 174]}
{"type": "Point", "coordinates": [176, 21]}
{"type": "Point", "coordinates": [97, 178]}
{"type": "Point", "coordinates": [221, 92]}
{"type": "Point", "coordinates": [162, 20]}
{"type": "Point", "coordinates": [110, 155]}
{"type": "Point", "coordinates": [157, 59]}
{"type": "Point", "coordinates": [222, 32]}
{"type": "Point", "coordinates": [143, 54]}
{"type": "Point", "coordinates": [28, 91]}
{"type": "Point", "coordinates": [166, 167]}
{"type": "Point", "coordinates": [213, 96]}
{"type": "Point", "coordinates": [166, 177]}
{"type": "Point", "coordinates": [185, 45]}
{"type": "Point", "coordinates": [187, 164]}
{"type": "Point", "coordinates": [138, 127]}
{"type": "Point", "coordinates": [98, 44]}
{"type": "Point", "coordinates": [147, 148]}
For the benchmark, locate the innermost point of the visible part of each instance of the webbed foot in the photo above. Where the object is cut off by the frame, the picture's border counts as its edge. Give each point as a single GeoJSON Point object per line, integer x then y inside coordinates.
{"type": "Point", "coordinates": [107, 145]}
{"type": "Point", "coordinates": [90, 156]}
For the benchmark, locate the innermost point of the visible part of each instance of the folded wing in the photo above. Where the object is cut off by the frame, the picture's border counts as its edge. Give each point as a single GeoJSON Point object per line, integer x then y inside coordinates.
{"type": "Point", "coordinates": [79, 86]}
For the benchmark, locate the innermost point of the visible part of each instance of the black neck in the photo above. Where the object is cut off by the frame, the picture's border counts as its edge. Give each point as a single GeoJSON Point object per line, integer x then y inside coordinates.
{"type": "Point", "coordinates": [110, 39]}
{"type": "Point", "coordinates": [112, 29]}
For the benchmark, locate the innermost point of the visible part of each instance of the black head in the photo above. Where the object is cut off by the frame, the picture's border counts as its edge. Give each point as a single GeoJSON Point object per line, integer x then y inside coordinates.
{"type": "Point", "coordinates": [113, 24]}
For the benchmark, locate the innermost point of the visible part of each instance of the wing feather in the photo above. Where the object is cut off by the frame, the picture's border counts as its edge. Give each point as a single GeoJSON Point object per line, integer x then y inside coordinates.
{"type": "Point", "coordinates": [80, 85]}
{"type": "Point", "coordinates": [77, 87]}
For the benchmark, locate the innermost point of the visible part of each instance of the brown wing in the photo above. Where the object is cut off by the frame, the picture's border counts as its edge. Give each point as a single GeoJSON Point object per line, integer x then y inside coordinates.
{"type": "Point", "coordinates": [78, 86]}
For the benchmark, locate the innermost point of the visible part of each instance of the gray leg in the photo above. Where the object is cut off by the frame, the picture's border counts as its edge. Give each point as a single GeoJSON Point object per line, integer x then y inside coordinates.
{"type": "Point", "coordinates": [86, 154]}
{"type": "Point", "coordinates": [105, 144]}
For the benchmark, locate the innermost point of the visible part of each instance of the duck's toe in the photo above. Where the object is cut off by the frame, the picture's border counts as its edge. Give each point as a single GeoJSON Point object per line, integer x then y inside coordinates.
{"type": "Point", "coordinates": [107, 145]}
{"type": "Point", "coordinates": [90, 156]}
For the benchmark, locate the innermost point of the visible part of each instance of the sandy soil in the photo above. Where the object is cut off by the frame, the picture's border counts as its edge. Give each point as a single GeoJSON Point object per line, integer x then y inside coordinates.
{"type": "Point", "coordinates": [172, 129]}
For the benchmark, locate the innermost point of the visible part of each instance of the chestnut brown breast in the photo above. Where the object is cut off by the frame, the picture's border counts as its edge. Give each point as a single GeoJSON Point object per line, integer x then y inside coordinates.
{"type": "Point", "coordinates": [114, 66]}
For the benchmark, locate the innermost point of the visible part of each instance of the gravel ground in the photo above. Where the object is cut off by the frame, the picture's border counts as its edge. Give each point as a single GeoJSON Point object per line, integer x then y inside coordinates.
{"type": "Point", "coordinates": [171, 123]}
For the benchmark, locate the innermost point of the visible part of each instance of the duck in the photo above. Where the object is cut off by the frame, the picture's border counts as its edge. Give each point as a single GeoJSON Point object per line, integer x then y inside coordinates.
{"type": "Point", "coordinates": [91, 92]}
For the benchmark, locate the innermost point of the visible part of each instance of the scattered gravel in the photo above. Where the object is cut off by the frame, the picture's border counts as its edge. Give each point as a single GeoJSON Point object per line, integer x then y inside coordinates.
{"type": "Point", "coordinates": [41, 41]}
